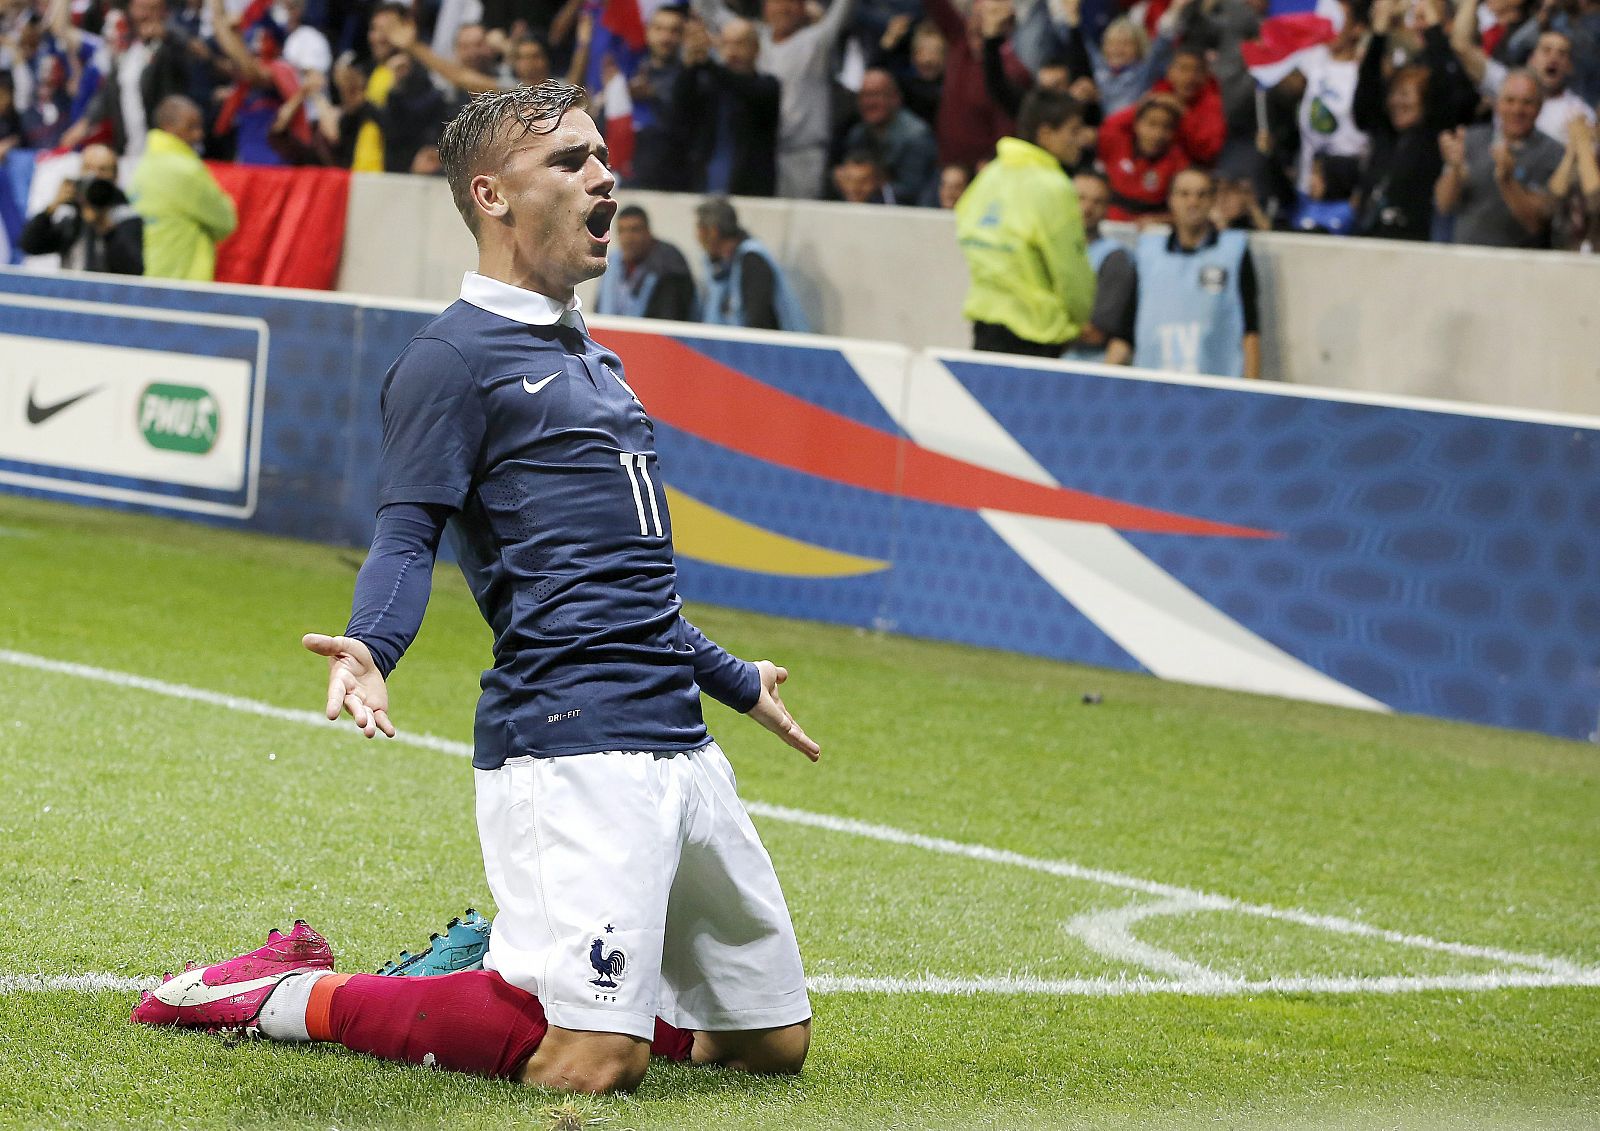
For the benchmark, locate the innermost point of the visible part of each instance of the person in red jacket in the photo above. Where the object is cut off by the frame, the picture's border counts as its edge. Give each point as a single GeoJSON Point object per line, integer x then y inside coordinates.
{"type": "Point", "coordinates": [1141, 157]}
{"type": "Point", "coordinates": [1203, 128]}
{"type": "Point", "coordinates": [969, 122]}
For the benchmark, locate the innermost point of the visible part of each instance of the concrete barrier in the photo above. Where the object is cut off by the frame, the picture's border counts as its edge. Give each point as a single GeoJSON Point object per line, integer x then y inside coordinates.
{"type": "Point", "coordinates": [1469, 324]}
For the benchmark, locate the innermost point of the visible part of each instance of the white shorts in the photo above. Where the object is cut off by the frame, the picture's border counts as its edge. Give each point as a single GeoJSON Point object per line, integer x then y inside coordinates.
{"type": "Point", "coordinates": [632, 885]}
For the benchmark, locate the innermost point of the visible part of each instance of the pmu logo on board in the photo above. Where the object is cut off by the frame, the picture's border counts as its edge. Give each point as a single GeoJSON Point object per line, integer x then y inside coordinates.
{"type": "Point", "coordinates": [179, 418]}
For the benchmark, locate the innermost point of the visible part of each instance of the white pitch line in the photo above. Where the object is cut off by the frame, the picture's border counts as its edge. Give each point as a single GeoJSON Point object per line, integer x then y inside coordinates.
{"type": "Point", "coordinates": [1563, 971]}
{"type": "Point", "coordinates": [79, 983]}
{"type": "Point", "coordinates": [1014, 986]}
{"type": "Point", "coordinates": [1197, 987]}
{"type": "Point", "coordinates": [1203, 901]}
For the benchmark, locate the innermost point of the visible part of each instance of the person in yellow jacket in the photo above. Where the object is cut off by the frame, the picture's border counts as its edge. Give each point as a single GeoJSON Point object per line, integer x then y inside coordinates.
{"type": "Point", "coordinates": [1032, 288]}
{"type": "Point", "coordinates": [185, 211]}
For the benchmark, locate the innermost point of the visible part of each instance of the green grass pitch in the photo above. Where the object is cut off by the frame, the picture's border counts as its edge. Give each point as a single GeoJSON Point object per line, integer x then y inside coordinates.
{"type": "Point", "coordinates": [982, 869]}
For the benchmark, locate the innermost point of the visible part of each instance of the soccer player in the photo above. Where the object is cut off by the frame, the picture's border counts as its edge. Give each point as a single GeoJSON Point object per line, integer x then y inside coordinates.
{"type": "Point", "coordinates": [638, 909]}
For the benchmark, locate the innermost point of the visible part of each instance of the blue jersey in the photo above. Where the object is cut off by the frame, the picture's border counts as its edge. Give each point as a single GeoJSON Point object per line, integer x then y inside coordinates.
{"type": "Point", "coordinates": [1191, 316]}
{"type": "Point", "coordinates": [724, 301]}
{"type": "Point", "coordinates": [561, 527]}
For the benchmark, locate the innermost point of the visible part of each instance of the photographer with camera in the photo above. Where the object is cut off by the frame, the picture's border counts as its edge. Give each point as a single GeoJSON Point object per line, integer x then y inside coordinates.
{"type": "Point", "coordinates": [90, 223]}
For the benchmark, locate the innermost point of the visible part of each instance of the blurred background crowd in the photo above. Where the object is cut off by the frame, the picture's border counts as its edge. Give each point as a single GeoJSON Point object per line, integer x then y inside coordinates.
{"type": "Point", "coordinates": [1402, 119]}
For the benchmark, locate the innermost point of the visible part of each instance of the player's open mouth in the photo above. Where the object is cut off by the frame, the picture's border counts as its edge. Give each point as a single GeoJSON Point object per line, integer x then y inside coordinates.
{"type": "Point", "coordinates": [599, 221]}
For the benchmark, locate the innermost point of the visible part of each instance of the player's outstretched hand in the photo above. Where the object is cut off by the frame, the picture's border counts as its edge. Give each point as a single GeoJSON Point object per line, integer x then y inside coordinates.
{"type": "Point", "coordinates": [354, 682]}
{"type": "Point", "coordinates": [770, 712]}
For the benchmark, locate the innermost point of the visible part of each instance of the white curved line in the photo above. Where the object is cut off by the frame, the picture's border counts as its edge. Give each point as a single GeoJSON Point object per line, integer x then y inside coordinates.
{"type": "Point", "coordinates": [1109, 934]}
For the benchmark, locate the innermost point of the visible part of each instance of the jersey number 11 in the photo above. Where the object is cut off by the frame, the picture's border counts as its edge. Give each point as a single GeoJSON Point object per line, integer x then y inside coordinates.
{"type": "Point", "coordinates": [633, 464]}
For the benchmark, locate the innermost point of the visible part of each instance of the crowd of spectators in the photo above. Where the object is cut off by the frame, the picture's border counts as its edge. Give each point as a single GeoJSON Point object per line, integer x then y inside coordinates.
{"type": "Point", "coordinates": [1417, 120]}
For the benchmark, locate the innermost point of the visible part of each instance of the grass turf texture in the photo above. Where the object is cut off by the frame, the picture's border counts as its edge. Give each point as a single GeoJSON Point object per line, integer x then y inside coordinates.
{"type": "Point", "coordinates": [141, 830]}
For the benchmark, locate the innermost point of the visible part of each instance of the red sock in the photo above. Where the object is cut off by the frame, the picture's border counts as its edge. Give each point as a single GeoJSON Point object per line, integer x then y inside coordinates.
{"type": "Point", "coordinates": [671, 1042]}
{"type": "Point", "coordinates": [470, 1021]}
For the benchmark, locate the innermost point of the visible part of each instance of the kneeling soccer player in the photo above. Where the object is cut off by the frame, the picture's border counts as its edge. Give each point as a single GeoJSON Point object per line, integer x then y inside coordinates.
{"type": "Point", "coordinates": [637, 906]}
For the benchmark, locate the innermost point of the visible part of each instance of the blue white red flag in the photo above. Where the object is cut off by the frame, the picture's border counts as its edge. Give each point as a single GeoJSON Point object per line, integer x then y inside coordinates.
{"type": "Point", "coordinates": [1291, 30]}
{"type": "Point", "coordinates": [618, 106]}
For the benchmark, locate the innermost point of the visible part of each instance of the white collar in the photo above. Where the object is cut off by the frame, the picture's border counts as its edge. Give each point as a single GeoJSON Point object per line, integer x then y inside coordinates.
{"type": "Point", "coordinates": [517, 303]}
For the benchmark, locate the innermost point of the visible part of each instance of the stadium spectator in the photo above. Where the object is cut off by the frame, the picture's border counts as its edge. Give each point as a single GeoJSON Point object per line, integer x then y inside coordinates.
{"type": "Point", "coordinates": [1324, 81]}
{"type": "Point", "coordinates": [1550, 64]}
{"type": "Point", "coordinates": [1575, 187]}
{"type": "Point", "coordinates": [800, 57]}
{"type": "Point", "coordinates": [1579, 21]}
{"type": "Point", "coordinates": [321, 140]}
{"type": "Point", "coordinates": [648, 278]}
{"type": "Point", "coordinates": [49, 111]}
{"type": "Point", "coordinates": [969, 122]}
{"type": "Point", "coordinates": [1219, 28]}
{"type": "Point", "coordinates": [305, 48]}
{"type": "Point", "coordinates": [1006, 86]}
{"type": "Point", "coordinates": [1126, 62]}
{"type": "Point", "coordinates": [1403, 116]}
{"type": "Point", "coordinates": [904, 143]}
{"type": "Point", "coordinates": [1202, 129]}
{"type": "Point", "coordinates": [89, 224]}
{"type": "Point", "coordinates": [1140, 154]}
{"type": "Point", "coordinates": [882, 27]}
{"type": "Point", "coordinates": [1238, 199]}
{"type": "Point", "coordinates": [338, 127]}
{"type": "Point", "coordinates": [154, 66]}
{"type": "Point", "coordinates": [922, 80]}
{"type": "Point", "coordinates": [185, 211]}
{"type": "Point", "coordinates": [1326, 205]}
{"type": "Point", "coordinates": [530, 61]}
{"type": "Point", "coordinates": [10, 120]}
{"type": "Point", "coordinates": [1503, 21]}
{"type": "Point", "coordinates": [860, 178]}
{"type": "Point", "coordinates": [744, 284]}
{"type": "Point", "coordinates": [370, 149]}
{"type": "Point", "coordinates": [1031, 287]}
{"type": "Point", "coordinates": [413, 109]}
{"type": "Point", "coordinates": [651, 87]}
{"type": "Point", "coordinates": [1496, 175]}
{"type": "Point", "coordinates": [266, 83]}
{"type": "Point", "coordinates": [1197, 306]}
{"type": "Point", "coordinates": [953, 181]}
{"type": "Point", "coordinates": [1107, 336]}
{"type": "Point", "coordinates": [471, 71]}
{"type": "Point", "coordinates": [728, 114]}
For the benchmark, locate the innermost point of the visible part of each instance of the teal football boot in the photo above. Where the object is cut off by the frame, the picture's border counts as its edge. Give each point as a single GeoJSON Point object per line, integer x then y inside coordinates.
{"type": "Point", "coordinates": [460, 946]}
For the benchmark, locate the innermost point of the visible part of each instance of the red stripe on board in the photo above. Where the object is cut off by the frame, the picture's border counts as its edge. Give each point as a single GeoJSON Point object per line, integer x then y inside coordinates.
{"type": "Point", "coordinates": [703, 397]}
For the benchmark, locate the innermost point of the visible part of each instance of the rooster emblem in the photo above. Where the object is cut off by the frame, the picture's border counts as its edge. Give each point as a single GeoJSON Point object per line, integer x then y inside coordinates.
{"type": "Point", "coordinates": [608, 966]}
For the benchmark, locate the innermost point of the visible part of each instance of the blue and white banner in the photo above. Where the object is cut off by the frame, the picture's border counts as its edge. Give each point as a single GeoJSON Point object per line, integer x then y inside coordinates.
{"type": "Point", "coordinates": [1346, 549]}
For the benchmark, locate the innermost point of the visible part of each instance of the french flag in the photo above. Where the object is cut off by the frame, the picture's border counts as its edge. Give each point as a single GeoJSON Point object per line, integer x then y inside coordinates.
{"type": "Point", "coordinates": [618, 34]}
{"type": "Point", "coordinates": [1291, 29]}
{"type": "Point", "coordinates": [618, 106]}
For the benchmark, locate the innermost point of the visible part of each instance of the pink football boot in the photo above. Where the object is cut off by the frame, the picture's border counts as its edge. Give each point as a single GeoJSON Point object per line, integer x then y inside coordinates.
{"type": "Point", "coordinates": [229, 996]}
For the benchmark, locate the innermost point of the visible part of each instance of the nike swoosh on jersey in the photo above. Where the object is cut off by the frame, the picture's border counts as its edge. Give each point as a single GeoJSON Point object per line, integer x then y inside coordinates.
{"type": "Point", "coordinates": [38, 413]}
{"type": "Point", "coordinates": [535, 386]}
{"type": "Point", "coordinates": [190, 989]}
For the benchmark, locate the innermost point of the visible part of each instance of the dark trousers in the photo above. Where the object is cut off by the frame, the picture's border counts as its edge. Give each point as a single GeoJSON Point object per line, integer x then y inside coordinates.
{"type": "Point", "coordinates": [994, 338]}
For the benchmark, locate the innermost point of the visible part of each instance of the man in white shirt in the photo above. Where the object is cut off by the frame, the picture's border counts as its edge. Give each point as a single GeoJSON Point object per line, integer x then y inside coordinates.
{"type": "Point", "coordinates": [1550, 64]}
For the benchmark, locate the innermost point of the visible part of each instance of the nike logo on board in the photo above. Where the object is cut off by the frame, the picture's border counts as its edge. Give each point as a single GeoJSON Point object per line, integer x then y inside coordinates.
{"type": "Point", "coordinates": [189, 988]}
{"type": "Point", "coordinates": [535, 386]}
{"type": "Point", "coordinates": [38, 413]}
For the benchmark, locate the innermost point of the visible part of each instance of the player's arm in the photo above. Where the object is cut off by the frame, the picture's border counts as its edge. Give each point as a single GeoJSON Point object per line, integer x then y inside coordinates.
{"type": "Point", "coordinates": [391, 597]}
{"type": "Point", "coordinates": [749, 688]}
{"type": "Point", "coordinates": [433, 430]}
